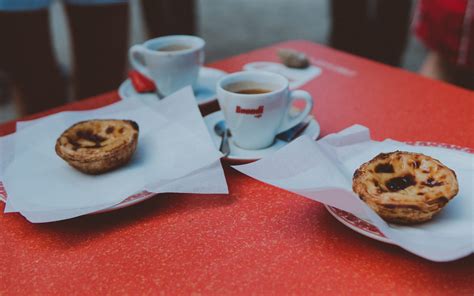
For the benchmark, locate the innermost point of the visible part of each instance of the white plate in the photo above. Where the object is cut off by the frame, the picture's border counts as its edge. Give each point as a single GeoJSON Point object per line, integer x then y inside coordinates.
{"type": "Point", "coordinates": [239, 155]}
{"type": "Point", "coordinates": [205, 91]}
{"type": "Point", "coordinates": [365, 227]}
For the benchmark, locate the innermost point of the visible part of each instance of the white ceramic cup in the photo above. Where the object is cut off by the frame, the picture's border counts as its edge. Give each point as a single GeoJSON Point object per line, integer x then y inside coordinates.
{"type": "Point", "coordinates": [172, 62]}
{"type": "Point", "coordinates": [255, 119]}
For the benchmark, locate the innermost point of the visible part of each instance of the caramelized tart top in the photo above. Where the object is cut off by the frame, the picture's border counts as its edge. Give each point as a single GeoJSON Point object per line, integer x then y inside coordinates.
{"type": "Point", "coordinates": [95, 139]}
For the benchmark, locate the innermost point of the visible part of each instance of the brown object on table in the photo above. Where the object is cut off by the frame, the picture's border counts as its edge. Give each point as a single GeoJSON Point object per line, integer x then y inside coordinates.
{"type": "Point", "coordinates": [293, 59]}
{"type": "Point", "coordinates": [98, 146]}
{"type": "Point", "coordinates": [405, 187]}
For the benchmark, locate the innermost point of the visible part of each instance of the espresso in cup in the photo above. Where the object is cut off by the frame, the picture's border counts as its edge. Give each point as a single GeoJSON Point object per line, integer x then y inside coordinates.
{"type": "Point", "coordinates": [253, 91]}
{"type": "Point", "coordinates": [256, 107]}
{"type": "Point", "coordinates": [246, 87]}
{"type": "Point", "coordinates": [174, 47]}
{"type": "Point", "coordinates": [172, 62]}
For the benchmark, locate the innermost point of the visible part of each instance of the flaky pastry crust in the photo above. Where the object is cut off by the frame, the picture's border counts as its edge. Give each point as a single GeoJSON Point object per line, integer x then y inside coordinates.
{"type": "Point", "coordinates": [98, 146]}
{"type": "Point", "coordinates": [405, 187]}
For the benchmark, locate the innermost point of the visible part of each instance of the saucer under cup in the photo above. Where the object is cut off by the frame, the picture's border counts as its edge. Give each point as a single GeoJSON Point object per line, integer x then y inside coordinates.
{"type": "Point", "coordinates": [204, 91]}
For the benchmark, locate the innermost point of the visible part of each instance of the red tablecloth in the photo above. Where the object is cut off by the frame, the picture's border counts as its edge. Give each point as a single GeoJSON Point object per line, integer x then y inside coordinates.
{"type": "Point", "coordinates": [258, 239]}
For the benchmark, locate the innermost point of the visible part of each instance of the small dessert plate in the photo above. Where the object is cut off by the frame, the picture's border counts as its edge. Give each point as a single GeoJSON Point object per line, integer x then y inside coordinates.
{"type": "Point", "coordinates": [238, 155]}
{"type": "Point", "coordinates": [365, 227]}
{"type": "Point", "coordinates": [205, 91]}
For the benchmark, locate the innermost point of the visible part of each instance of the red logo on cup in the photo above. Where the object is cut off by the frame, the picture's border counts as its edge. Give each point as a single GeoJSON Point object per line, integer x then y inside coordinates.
{"type": "Point", "coordinates": [256, 112]}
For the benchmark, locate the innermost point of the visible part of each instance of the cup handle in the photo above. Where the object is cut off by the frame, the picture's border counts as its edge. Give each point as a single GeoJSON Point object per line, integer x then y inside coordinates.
{"type": "Point", "coordinates": [135, 55]}
{"type": "Point", "coordinates": [291, 121]}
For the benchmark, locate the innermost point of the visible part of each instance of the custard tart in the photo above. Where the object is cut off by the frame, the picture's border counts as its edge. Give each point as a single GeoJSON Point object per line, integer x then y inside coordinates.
{"type": "Point", "coordinates": [405, 187]}
{"type": "Point", "coordinates": [98, 146]}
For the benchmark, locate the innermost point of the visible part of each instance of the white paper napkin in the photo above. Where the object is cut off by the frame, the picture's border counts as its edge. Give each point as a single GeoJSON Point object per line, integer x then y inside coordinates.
{"type": "Point", "coordinates": [322, 171]}
{"type": "Point", "coordinates": [175, 154]}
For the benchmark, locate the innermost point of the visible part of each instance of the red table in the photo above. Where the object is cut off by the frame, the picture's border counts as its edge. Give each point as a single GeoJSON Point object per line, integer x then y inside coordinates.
{"type": "Point", "coordinates": [258, 239]}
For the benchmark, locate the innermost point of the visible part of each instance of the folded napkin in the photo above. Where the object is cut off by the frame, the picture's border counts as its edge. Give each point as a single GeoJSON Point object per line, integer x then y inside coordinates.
{"type": "Point", "coordinates": [43, 187]}
{"type": "Point", "coordinates": [322, 171]}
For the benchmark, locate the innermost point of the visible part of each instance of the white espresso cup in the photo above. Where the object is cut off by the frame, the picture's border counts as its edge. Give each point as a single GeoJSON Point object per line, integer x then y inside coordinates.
{"type": "Point", "coordinates": [256, 107]}
{"type": "Point", "coordinates": [172, 62]}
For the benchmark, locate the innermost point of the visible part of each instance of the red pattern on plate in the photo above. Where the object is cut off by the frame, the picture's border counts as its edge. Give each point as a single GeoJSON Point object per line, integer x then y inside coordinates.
{"type": "Point", "coordinates": [441, 145]}
{"type": "Point", "coordinates": [140, 195]}
{"type": "Point", "coordinates": [357, 222]}
{"type": "Point", "coordinates": [364, 225]}
{"type": "Point", "coordinates": [3, 192]}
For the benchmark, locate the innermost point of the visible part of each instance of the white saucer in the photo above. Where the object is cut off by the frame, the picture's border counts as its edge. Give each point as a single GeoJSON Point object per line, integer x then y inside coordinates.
{"type": "Point", "coordinates": [238, 155]}
{"type": "Point", "coordinates": [205, 92]}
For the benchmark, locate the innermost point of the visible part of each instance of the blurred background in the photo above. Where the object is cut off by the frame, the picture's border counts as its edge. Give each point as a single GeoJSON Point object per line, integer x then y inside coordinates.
{"type": "Point", "coordinates": [231, 27]}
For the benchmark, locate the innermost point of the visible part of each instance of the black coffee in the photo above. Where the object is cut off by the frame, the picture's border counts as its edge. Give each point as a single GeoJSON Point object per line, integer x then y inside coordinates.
{"type": "Point", "coordinates": [174, 47]}
{"type": "Point", "coordinates": [253, 91]}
